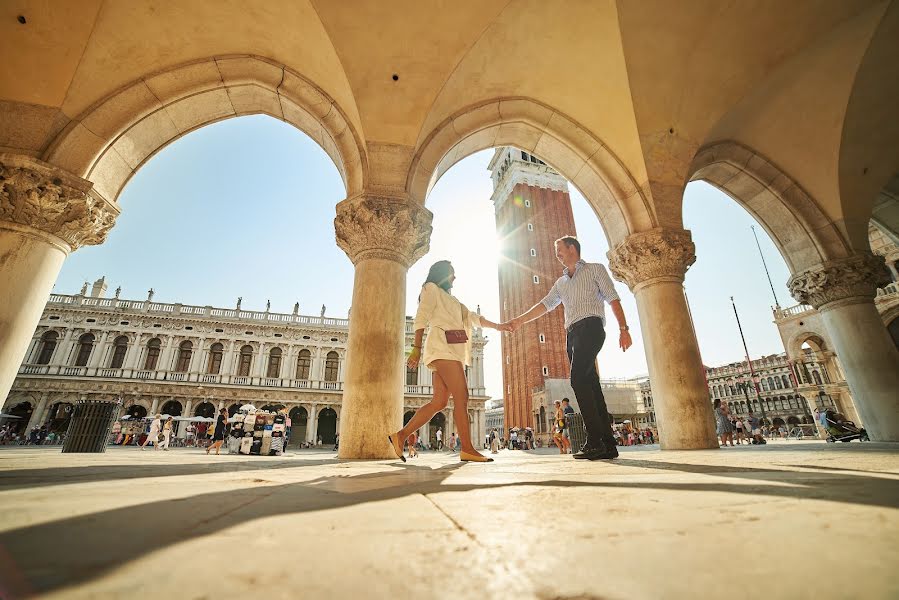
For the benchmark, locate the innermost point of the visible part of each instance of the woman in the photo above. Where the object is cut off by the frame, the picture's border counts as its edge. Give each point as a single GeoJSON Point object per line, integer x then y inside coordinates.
{"type": "Point", "coordinates": [153, 436]}
{"type": "Point", "coordinates": [447, 352]}
{"type": "Point", "coordinates": [218, 434]}
{"type": "Point", "coordinates": [166, 433]}
{"type": "Point", "coordinates": [413, 437]}
{"type": "Point", "coordinates": [723, 425]}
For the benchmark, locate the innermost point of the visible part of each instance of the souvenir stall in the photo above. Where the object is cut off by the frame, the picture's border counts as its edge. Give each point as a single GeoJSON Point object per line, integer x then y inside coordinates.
{"type": "Point", "coordinates": [257, 432]}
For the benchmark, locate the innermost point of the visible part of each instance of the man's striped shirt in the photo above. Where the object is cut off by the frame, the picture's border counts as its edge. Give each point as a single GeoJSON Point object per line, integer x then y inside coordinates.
{"type": "Point", "coordinates": [584, 295]}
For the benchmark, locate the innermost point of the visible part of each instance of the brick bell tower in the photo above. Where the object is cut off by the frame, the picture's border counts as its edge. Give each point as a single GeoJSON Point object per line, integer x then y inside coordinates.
{"type": "Point", "coordinates": [533, 210]}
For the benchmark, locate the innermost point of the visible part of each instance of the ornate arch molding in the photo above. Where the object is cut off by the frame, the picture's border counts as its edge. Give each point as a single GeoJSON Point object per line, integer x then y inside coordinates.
{"type": "Point", "coordinates": [619, 202]}
{"type": "Point", "coordinates": [794, 346]}
{"type": "Point", "coordinates": [113, 138]}
{"type": "Point", "coordinates": [805, 236]}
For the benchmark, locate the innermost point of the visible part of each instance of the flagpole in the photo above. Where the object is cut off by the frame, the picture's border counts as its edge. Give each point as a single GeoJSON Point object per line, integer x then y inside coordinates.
{"type": "Point", "coordinates": [755, 382]}
{"type": "Point", "coordinates": [764, 264]}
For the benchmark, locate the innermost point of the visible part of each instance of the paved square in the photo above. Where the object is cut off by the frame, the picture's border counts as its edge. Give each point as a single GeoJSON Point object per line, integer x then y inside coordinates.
{"type": "Point", "coordinates": [787, 520]}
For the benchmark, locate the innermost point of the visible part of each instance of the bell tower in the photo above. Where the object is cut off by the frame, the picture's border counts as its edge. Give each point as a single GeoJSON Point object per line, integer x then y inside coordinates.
{"type": "Point", "coordinates": [533, 210]}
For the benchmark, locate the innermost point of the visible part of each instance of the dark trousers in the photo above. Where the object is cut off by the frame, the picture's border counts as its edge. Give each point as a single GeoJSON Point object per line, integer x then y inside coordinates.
{"type": "Point", "coordinates": [585, 339]}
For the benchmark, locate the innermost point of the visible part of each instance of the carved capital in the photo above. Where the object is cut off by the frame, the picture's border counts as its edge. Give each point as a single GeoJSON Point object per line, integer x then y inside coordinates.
{"type": "Point", "coordinates": [40, 196]}
{"type": "Point", "coordinates": [846, 279]}
{"type": "Point", "coordinates": [657, 254]}
{"type": "Point", "coordinates": [389, 228]}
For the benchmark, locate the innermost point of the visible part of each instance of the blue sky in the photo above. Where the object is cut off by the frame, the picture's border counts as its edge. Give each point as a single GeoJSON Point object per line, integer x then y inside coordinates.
{"type": "Point", "coordinates": [245, 207]}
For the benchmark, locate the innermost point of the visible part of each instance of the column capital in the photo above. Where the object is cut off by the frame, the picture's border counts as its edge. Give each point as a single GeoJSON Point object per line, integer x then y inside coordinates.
{"type": "Point", "coordinates": [381, 227]}
{"type": "Point", "coordinates": [40, 196]}
{"type": "Point", "coordinates": [844, 281]}
{"type": "Point", "coordinates": [648, 256]}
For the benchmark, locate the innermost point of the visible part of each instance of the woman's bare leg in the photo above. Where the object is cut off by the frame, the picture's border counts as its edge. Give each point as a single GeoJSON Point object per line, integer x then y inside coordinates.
{"type": "Point", "coordinates": [425, 413]}
{"type": "Point", "coordinates": [454, 377]}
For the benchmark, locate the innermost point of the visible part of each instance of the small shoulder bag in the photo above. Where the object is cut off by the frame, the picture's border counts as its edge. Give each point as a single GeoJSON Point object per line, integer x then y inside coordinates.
{"type": "Point", "coordinates": [457, 336]}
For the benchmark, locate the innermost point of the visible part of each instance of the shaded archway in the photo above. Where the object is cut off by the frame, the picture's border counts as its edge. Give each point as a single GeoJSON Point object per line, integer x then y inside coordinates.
{"type": "Point", "coordinates": [438, 421]}
{"type": "Point", "coordinates": [527, 124]}
{"type": "Point", "coordinates": [407, 416]}
{"type": "Point", "coordinates": [233, 409]}
{"type": "Point", "coordinates": [59, 416]}
{"type": "Point", "coordinates": [327, 426]}
{"type": "Point", "coordinates": [172, 408]}
{"type": "Point", "coordinates": [299, 419]}
{"type": "Point", "coordinates": [23, 410]}
{"type": "Point", "coordinates": [204, 409]}
{"type": "Point", "coordinates": [111, 140]}
{"type": "Point", "coordinates": [136, 411]}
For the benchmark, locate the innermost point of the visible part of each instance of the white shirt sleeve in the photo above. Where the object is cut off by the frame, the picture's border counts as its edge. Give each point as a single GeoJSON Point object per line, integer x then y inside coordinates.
{"type": "Point", "coordinates": [426, 305]}
{"type": "Point", "coordinates": [604, 282]}
{"type": "Point", "coordinates": [474, 319]}
{"type": "Point", "coordinates": [553, 298]}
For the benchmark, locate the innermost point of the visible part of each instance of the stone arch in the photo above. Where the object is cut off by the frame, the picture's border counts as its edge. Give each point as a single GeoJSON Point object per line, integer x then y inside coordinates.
{"type": "Point", "coordinates": [814, 339]}
{"type": "Point", "coordinates": [805, 236]}
{"type": "Point", "coordinates": [561, 142]}
{"type": "Point", "coordinates": [113, 138]}
{"type": "Point", "coordinates": [173, 408]}
{"type": "Point", "coordinates": [326, 428]}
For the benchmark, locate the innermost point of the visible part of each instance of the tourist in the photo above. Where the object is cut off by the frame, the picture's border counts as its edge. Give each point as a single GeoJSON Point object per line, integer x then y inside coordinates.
{"type": "Point", "coordinates": [153, 436]}
{"type": "Point", "coordinates": [116, 432]}
{"type": "Point", "coordinates": [513, 439]}
{"type": "Point", "coordinates": [559, 428]}
{"type": "Point", "coordinates": [218, 432]}
{"type": "Point", "coordinates": [166, 433]}
{"type": "Point", "coordinates": [738, 424]}
{"type": "Point", "coordinates": [755, 429]}
{"type": "Point", "coordinates": [452, 444]}
{"type": "Point", "coordinates": [494, 441]}
{"type": "Point", "coordinates": [413, 437]}
{"type": "Point", "coordinates": [439, 439]}
{"type": "Point", "coordinates": [447, 353]}
{"type": "Point", "coordinates": [723, 425]}
{"type": "Point", "coordinates": [584, 289]}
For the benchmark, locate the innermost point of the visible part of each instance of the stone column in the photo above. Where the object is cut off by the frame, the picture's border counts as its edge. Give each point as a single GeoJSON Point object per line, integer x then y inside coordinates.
{"type": "Point", "coordinates": [45, 213]}
{"type": "Point", "coordinates": [312, 424]}
{"type": "Point", "coordinates": [383, 237]}
{"type": "Point", "coordinates": [37, 412]}
{"type": "Point", "coordinates": [154, 408]}
{"type": "Point", "coordinates": [653, 264]}
{"type": "Point", "coordinates": [843, 292]}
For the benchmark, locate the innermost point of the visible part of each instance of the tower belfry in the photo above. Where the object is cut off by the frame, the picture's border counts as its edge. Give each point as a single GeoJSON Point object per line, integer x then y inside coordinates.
{"type": "Point", "coordinates": [533, 210]}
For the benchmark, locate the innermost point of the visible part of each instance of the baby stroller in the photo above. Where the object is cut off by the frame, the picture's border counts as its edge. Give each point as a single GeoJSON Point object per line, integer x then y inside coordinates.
{"type": "Point", "coordinates": [841, 430]}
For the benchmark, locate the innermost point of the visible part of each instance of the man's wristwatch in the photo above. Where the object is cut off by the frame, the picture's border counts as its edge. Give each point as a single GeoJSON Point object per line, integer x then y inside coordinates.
{"type": "Point", "coordinates": [625, 328]}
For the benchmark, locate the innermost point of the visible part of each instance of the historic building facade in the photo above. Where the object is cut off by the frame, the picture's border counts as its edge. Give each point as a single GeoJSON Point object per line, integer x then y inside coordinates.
{"type": "Point", "coordinates": [533, 210]}
{"type": "Point", "coordinates": [191, 360]}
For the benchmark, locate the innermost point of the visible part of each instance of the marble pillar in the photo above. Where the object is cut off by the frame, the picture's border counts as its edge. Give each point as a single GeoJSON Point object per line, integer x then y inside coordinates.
{"type": "Point", "coordinates": [653, 264]}
{"type": "Point", "coordinates": [383, 237]}
{"type": "Point", "coordinates": [843, 292]}
{"type": "Point", "coordinates": [45, 213]}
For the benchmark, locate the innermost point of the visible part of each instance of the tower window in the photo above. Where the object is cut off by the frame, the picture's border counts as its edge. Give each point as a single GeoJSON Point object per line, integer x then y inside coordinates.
{"type": "Point", "coordinates": [536, 279]}
{"type": "Point", "coordinates": [527, 203]}
{"type": "Point", "coordinates": [545, 371]}
{"type": "Point", "coordinates": [533, 252]}
{"type": "Point", "coordinates": [508, 359]}
{"type": "Point", "coordinates": [524, 155]}
{"type": "Point", "coordinates": [542, 339]}
{"type": "Point", "coordinates": [530, 227]}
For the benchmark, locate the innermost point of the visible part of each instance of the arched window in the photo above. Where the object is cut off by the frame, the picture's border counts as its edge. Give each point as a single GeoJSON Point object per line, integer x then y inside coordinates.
{"type": "Point", "coordinates": [817, 376]}
{"type": "Point", "coordinates": [85, 345]}
{"type": "Point", "coordinates": [153, 347]}
{"type": "Point", "coordinates": [246, 360]}
{"type": "Point", "coordinates": [542, 420]}
{"type": "Point", "coordinates": [772, 384]}
{"type": "Point", "coordinates": [304, 364]}
{"type": "Point", "coordinates": [120, 348]}
{"type": "Point", "coordinates": [412, 376]}
{"type": "Point", "coordinates": [274, 363]}
{"type": "Point", "coordinates": [786, 382]}
{"type": "Point", "coordinates": [185, 351]}
{"type": "Point", "coordinates": [766, 384]}
{"type": "Point", "coordinates": [214, 366]}
{"type": "Point", "coordinates": [733, 391]}
{"type": "Point", "coordinates": [331, 363]}
{"type": "Point", "coordinates": [48, 345]}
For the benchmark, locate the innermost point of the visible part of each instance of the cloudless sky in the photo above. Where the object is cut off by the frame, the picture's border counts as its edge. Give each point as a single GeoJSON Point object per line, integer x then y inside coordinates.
{"type": "Point", "coordinates": [245, 207]}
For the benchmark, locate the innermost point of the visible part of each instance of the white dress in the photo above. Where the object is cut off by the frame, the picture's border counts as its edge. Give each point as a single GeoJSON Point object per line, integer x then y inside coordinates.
{"type": "Point", "coordinates": [443, 312]}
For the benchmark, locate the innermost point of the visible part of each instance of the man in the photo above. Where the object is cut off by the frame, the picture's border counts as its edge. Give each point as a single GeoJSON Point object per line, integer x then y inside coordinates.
{"type": "Point", "coordinates": [755, 428]}
{"type": "Point", "coordinates": [566, 407]}
{"type": "Point", "coordinates": [439, 439]}
{"type": "Point", "coordinates": [584, 289]}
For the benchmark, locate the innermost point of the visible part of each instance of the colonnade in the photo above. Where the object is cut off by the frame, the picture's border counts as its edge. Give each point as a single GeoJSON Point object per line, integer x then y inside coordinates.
{"type": "Point", "coordinates": [51, 213]}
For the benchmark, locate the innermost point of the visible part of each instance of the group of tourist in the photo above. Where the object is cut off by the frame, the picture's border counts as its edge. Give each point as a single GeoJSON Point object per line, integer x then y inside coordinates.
{"type": "Point", "coordinates": [37, 436]}
{"type": "Point", "coordinates": [742, 429]}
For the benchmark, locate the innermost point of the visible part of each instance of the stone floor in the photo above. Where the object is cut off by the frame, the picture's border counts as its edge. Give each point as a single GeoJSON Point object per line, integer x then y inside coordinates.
{"type": "Point", "coordinates": [787, 520]}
